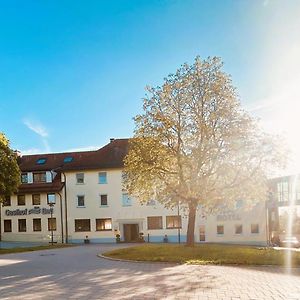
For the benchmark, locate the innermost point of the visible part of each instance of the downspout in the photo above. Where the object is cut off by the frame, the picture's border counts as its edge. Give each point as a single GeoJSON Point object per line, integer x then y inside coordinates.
{"type": "Point", "coordinates": [61, 218]}
{"type": "Point", "coordinates": [66, 208]}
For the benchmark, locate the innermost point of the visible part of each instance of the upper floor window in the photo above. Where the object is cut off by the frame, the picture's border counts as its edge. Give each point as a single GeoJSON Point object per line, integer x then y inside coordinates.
{"type": "Point", "coordinates": [80, 201]}
{"type": "Point", "coordinates": [80, 178]}
{"type": "Point", "coordinates": [151, 202]}
{"type": "Point", "coordinates": [102, 177]}
{"type": "Point", "coordinates": [39, 177]}
{"type": "Point", "coordinates": [103, 200]}
{"type": "Point", "coordinates": [24, 178]}
{"type": "Point", "coordinates": [21, 199]}
{"type": "Point", "coordinates": [68, 159]}
{"type": "Point", "coordinates": [36, 199]}
{"type": "Point", "coordinates": [173, 222]}
{"type": "Point", "coordinates": [154, 222]}
{"type": "Point", "coordinates": [239, 204]}
{"type": "Point", "coordinates": [7, 201]}
{"type": "Point", "coordinates": [126, 200]}
{"type": "Point", "coordinates": [41, 161]}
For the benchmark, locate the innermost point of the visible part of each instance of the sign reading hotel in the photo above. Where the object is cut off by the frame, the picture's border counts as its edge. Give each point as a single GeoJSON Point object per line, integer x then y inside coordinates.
{"type": "Point", "coordinates": [33, 211]}
{"type": "Point", "coordinates": [228, 216]}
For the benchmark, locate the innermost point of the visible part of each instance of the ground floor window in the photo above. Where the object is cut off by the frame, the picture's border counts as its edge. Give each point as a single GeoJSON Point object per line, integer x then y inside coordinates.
{"type": "Point", "coordinates": [220, 229]}
{"type": "Point", "coordinates": [37, 225]}
{"type": "Point", "coordinates": [254, 228]}
{"type": "Point", "coordinates": [7, 226]}
{"type": "Point", "coordinates": [83, 225]}
{"type": "Point", "coordinates": [239, 229]}
{"type": "Point", "coordinates": [154, 222]}
{"type": "Point", "coordinates": [22, 225]}
{"type": "Point", "coordinates": [103, 224]}
{"type": "Point", "coordinates": [51, 224]}
{"type": "Point", "coordinates": [173, 222]}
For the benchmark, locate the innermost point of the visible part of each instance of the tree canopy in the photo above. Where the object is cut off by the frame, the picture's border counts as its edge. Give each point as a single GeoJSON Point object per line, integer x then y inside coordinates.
{"type": "Point", "coordinates": [194, 144]}
{"type": "Point", "coordinates": [9, 169]}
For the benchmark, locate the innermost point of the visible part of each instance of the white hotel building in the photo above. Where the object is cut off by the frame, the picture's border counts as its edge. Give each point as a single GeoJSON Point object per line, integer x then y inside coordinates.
{"type": "Point", "coordinates": [90, 203]}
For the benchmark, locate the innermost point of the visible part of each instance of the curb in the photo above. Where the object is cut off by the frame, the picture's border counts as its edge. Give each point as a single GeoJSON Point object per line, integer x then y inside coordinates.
{"type": "Point", "coordinates": [139, 261]}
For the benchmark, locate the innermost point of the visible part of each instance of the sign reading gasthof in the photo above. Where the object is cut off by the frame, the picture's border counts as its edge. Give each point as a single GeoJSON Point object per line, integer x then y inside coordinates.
{"type": "Point", "coordinates": [33, 211]}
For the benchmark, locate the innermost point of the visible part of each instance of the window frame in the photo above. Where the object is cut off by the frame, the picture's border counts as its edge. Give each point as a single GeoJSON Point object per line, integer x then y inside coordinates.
{"type": "Point", "coordinates": [78, 220]}
{"type": "Point", "coordinates": [7, 201]}
{"type": "Point", "coordinates": [78, 176]}
{"type": "Point", "coordinates": [99, 176]}
{"type": "Point", "coordinates": [19, 225]}
{"type": "Point", "coordinates": [236, 227]}
{"type": "Point", "coordinates": [255, 224]}
{"type": "Point", "coordinates": [129, 199]}
{"type": "Point", "coordinates": [160, 226]}
{"type": "Point", "coordinates": [174, 217]}
{"type": "Point", "coordinates": [40, 224]}
{"type": "Point", "coordinates": [4, 226]}
{"type": "Point", "coordinates": [22, 176]}
{"type": "Point", "coordinates": [39, 177]}
{"type": "Point", "coordinates": [18, 199]}
{"type": "Point", "coordinates": [77, 201]}
{"type": "Point", "coordinates": [103, 220]}
{"type": "Point", "coordinates": [51, 222]}
{"type": "Point", "coordinates": [103, 195]}
{"type": "Point", "coordinates": [222, 231]}
{"type": "Point", "coordinates": [32, 197]}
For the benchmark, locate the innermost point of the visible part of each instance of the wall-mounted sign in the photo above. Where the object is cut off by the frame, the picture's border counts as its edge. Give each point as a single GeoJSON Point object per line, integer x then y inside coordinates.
{"type": "Point", "coordinates": [228, 216]}
{"type": "Point", "coordinates": [33, 211]}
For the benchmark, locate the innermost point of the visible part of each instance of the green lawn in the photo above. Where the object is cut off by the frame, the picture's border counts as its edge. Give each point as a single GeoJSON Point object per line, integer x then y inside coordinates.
{"type": "Point", "coordinates": [205, 254]}
{"type": "Point", "coordinates": [33, 248]}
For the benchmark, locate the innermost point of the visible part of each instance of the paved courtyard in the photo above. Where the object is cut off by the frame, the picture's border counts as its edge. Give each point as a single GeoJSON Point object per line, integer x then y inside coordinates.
{"type": "Point", "coordinates": [77, 273]}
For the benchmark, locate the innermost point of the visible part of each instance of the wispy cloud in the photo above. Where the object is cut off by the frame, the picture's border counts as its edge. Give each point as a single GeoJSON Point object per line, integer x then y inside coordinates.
{"type": "Point", "coordinates": [36, 127]}
{"type": "Point", "coordinates": [41, 131]}
{"type": "Point", "coordinates": [79, 149]}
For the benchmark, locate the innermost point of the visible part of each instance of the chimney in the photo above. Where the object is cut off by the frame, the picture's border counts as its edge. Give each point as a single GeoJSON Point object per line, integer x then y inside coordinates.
{"type": "Point", "coordinates": [112, 139]}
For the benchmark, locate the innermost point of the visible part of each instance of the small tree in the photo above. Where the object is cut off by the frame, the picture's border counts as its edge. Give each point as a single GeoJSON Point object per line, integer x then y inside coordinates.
{"type": "Point", "coordinates": [9, 169]}
{"type": "Point", "coordinates": [194, 145]}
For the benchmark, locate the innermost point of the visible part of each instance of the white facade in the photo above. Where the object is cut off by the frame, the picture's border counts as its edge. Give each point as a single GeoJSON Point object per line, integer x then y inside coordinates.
{"type": "Point", "coordinates": [98, 208]}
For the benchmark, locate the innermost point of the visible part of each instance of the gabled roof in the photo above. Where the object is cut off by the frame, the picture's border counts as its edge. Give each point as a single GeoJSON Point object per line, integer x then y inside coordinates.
{"type": "Point", "coordinates": [109, 156]}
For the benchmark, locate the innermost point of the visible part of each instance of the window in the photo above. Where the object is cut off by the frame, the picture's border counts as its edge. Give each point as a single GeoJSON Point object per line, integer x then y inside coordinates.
{"type": "Point", "coordinates": [239, 204]}
{"type": "Point", "coordinates": [7, 201]}
{"type": "Point", "coordinates": [21, 199]}
{"type": "Point", "coordinates": [102, 178]}
{"type": "Point", "coordinates": [82, 225]}
{"type": "Point", "coordinates": [22, 225]}
{"type": "Point", "coordinates": [36, 199]}
{"type": "Point", "coordinates": [154, 222]}
{"type": "Point", "coordinates": [37, 225]}
{"type": "Point", "coordinates": [7, 226]}
{"type": "Point", "coordinates": [51, 199]}
{"type": "Point", "coordinates": [238, 229]}
{"type": "Point", "coordinates": [80, 201]}
{"type": "Point", "coordinates": [41, 161]}
{"type": "Point", "coordinates": [283, 191]}
{"type": "Point", "coordinates": [103, 224]}
{"type": "Point", "coordinates": [68, 159]}
{"type": "Point", "coordinates": [220, 229]}
{"type": "Point", "coordinates": [39, 177]}
{"type": "Point", "coordinates": [126, 200]}
{"type": "Point", "coordinates": [51, 224]}
{"type": "Point", "coordinates": [173, 222]}
{"type": "Point", "coordinates": [24, 178]}
{"type": "Point", "coordinates": [80, 178]}
{"type": "Point", "coordinates": [103, 200]}
{"type": "Point", "coordinates": [254, 228]}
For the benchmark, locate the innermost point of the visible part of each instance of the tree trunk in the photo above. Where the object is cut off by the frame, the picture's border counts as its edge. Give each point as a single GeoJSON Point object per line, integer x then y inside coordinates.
{"type": "Point", "coordinates": [191, 226]}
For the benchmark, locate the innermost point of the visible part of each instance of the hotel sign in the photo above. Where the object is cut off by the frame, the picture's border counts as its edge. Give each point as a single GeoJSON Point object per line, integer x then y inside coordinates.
{"type": "Point", "coordinates": [33, 211]}
{"type": "Point", "coordinates": [229, 216]}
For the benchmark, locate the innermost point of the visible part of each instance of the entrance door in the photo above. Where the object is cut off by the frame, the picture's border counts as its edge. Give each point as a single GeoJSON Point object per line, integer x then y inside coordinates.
{"type": "Point", "coordinates": [131, 232]}
{"type": "Point", "coordinates": [202, 233]}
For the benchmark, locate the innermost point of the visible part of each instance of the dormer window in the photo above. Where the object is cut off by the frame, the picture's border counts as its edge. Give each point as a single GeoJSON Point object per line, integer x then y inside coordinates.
{"type": "Point", "coordinates": [39, 177]}
{"type": "Point", "coordinates": [24, 178]}
{"type": "Point", "coordinates": [68, 159]}
{"type": "Point", "coordinates": [41, 161]}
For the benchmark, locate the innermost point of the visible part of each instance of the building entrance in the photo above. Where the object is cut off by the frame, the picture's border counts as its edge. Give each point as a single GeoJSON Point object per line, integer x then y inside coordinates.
{"type": "Point", "coordinates": [131, 232]}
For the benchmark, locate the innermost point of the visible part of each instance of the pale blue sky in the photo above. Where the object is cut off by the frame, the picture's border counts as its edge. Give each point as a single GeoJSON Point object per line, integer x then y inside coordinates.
{"type": "Point", "coordinates": [72, 73]}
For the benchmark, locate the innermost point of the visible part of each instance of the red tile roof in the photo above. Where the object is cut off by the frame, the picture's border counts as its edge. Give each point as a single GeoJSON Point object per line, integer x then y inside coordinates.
{"type": "Point", "coordinates": [107, 157]}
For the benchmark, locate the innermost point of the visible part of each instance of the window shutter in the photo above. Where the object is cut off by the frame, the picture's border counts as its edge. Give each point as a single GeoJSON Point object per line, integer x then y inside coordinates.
{"type": "Point", "coordinates": [30, 177]}
{"type": "Point", "coordinates": [48, 176]}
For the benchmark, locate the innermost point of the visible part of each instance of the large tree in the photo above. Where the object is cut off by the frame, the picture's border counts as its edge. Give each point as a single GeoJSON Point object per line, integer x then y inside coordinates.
{"type": "Point", "coordinates": [9, 169]}
{"type": "Point", "coordinates": [194, 145]}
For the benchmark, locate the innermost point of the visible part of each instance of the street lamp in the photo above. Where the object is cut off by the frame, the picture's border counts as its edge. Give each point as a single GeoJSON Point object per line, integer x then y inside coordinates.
{"type": "Point", "coordinates": [51, 200]}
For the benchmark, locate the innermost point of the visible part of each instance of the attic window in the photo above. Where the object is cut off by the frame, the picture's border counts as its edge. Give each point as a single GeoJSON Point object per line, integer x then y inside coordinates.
{"type": "Point", "coordinates": [68, 159]}
{"type": "Point", "coordinates": [41, 161]}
